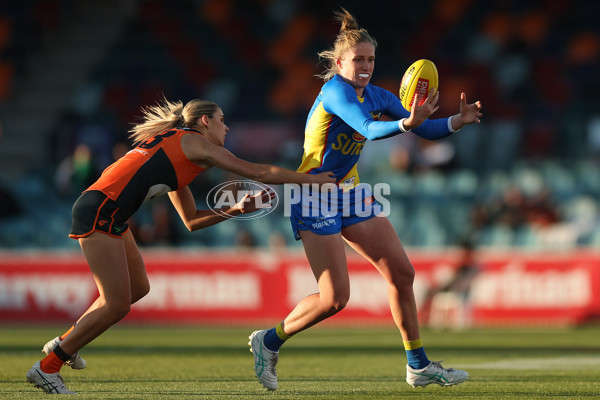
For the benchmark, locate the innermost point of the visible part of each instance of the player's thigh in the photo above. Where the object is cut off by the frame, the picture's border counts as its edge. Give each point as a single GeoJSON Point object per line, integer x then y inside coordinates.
{"type": "Point", "coordinates": [327, 258]}
{"type": "Point", "coordinates": [140, 285]}
{"type": "Point", "coordinates": [377, 241]}
{"type": "Point", "coordinates": [107, 260]}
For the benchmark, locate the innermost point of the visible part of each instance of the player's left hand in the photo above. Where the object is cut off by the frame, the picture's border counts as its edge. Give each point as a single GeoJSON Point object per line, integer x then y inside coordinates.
{"type": "Point", "coordinates": [469, 113]}
{"type": "Point", "coordinates": [251, 203]}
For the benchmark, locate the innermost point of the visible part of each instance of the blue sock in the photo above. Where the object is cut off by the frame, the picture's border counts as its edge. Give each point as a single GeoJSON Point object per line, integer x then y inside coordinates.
{"type": "Point", "coordinates": [415, 354]}
{"type": "Point", "coordinates": [272, 341]}
{"type": "Point", "coordinates": [417, 359]}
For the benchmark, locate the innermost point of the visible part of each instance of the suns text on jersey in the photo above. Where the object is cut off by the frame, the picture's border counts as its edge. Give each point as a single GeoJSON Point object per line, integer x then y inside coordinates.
{"type": "Point", "coordinates": [348, 145]}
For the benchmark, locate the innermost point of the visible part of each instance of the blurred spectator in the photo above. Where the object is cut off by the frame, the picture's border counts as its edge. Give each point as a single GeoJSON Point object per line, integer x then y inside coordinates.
{"type": "Point", "coordinates": [98, 136]}
{"type": "Point", "coordinates": [541, 210]}
{"type": "Point", "coordinates": [155, 225]}
{"type": "Point", "coordinates": [61, 138]}
{"type": "Point", "coordinates": [76, 172]}
{"type": "Point", "coordinates": [437, 155]}
{"type": "Point", "coordinates": [450, 302]}
{"type": "Point", "coordinates": [9, 207]}
{"type": "Point", "coordinates": [513, 209]}
{"type": "Point", "coordinates": [277, 241]}
{"type": "Point", "coordinates": [400, 159]}
{"type": "Point", "coordinates": [244, 240]}
{"type": "Point", "coordinates": [119, 150]}
{"type": "Point", "coordinates": [413, 154]}
{"type": "Point", "coordinates": [534, 66]}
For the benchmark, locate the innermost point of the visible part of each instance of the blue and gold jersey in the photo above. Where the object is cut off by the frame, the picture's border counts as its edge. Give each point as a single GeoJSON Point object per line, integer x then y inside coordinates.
{"type": "Point", "coordinates": [340, 122]}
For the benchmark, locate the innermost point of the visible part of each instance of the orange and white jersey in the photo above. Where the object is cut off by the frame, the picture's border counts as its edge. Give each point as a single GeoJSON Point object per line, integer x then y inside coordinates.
{"type": "Point", "coordinates": [151, 169]}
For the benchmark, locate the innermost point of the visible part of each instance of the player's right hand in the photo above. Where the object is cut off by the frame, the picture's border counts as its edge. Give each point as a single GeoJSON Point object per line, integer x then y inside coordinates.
{"type": "Point", "coordinates": [419, 113]}
{"type": "Point", "coordinates": [324, 178]}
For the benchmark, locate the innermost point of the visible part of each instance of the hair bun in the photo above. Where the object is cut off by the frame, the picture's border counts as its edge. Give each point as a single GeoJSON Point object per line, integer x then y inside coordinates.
{"type": "Point", "coordinates": [347, 20]}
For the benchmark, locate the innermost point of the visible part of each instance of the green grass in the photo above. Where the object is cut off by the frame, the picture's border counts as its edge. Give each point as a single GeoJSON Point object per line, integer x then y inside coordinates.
{"type": "Point", "coordinates": [322, 363]}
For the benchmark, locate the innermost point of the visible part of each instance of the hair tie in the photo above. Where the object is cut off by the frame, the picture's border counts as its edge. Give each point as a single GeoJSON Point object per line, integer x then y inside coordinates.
{"type": "Point", "coordinates": [181, 119]}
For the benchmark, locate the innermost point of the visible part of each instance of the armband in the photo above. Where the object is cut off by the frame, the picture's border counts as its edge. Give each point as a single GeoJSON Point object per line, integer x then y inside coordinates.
{"type": "Point", "coordinates": [450, 125]}
{"type": "Point", "coordinates": [401, 125]}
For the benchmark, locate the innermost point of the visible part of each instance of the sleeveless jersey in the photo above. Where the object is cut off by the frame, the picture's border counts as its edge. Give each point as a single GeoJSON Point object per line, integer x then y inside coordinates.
{"type": "Point", "coordinates": [151, 169]}
{"type": "Point", "coordinates": [339, 123]}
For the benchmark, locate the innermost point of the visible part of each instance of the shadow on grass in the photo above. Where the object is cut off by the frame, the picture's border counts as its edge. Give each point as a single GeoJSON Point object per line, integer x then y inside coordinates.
{"type": "Point", "coordinates": [319, 350]}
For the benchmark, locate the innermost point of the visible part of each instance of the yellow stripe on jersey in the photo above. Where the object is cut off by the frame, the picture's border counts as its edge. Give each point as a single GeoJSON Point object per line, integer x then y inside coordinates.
{"type": "Point", "coordinates": [315, 139]}
{"type": "Point", "coordinates": [350, 180]}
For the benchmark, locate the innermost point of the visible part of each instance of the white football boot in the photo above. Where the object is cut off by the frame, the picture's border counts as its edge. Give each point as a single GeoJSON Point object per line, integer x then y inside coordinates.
{"type": "Point", "coordinates": [50, 383]}
{"type": "Point", "coordinates": [76, 362]}
{"type": "Point", "coordinates": [265, 360]}
{"type": "Point", "coordinates": [435, 373]}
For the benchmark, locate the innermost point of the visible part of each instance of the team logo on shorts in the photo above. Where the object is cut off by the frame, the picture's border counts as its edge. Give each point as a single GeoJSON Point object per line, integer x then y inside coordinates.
{"type": "Point", "coordinates": [230, 193]}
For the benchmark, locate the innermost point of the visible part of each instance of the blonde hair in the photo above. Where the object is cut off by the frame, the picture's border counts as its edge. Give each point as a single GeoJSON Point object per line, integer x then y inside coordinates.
{"type": "Point", "coordinates": [349, 36]}
{"type": "Point", "coordinates": [167, 115]}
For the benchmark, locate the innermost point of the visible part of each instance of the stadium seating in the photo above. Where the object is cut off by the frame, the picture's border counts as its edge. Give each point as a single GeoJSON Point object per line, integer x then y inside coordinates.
{"type": "Point", "coordinates": [257, 60]}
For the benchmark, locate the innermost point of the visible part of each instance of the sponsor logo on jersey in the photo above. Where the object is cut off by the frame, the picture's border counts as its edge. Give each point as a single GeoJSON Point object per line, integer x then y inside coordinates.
{"type": "Point", "coordinates": [358, 137]}
{"type": "Point", "coordinates": [375, 115]}
{"type": "Point", "coordinates": [137, 150]}
{"type": "Point", "coordinates": [349, 145]}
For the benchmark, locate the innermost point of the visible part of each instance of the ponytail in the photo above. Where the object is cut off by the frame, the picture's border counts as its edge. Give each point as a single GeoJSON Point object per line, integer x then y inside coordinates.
{"type": "Point", "coordinates": [167, 115]}
{"type": "Point", "coordinates": [349, 36]}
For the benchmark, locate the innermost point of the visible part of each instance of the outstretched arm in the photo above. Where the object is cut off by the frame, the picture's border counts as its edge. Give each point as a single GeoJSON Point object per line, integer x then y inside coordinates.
{"type": "Point", "coordinates": [432, 129]}
{"type": "Point", "coordinates": [195, 219]}
{"type": "Point", "coordinates": [198, 149]}
{"type": "Point", "coordinates": [469, 113]}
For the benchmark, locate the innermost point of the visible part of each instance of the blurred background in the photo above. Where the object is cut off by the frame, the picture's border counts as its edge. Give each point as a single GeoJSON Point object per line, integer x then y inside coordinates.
{"type": "Point", "coordinates": [74, 74]}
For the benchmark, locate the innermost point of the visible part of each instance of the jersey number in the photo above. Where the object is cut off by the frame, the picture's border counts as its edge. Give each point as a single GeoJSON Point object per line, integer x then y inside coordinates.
{"type": "Point", "coordinates": [153, 141]}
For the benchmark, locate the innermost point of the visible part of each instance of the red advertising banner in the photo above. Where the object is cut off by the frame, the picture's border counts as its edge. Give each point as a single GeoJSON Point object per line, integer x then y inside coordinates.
{"type": "Point", "coordinates": [244, 287]}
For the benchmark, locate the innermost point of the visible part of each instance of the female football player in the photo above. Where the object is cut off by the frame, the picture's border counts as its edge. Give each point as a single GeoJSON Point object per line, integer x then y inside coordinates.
{"type": "Point", "coordinates": [344, 115]}
{"type": "Point", "coordinates": [175, 143]}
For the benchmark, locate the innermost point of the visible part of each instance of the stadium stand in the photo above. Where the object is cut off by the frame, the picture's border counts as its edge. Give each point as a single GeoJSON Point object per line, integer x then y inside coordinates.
{"type": "Point", "coordinates": [77, 72]}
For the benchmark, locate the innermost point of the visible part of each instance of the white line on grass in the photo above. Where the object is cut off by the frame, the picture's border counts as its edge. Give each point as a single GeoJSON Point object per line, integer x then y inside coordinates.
{"type": "Point", "coordinates": [570, 362]}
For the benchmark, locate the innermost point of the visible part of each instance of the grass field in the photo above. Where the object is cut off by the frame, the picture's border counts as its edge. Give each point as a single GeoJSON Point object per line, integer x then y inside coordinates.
{"type": "Point", "coordinates": [322, 363]}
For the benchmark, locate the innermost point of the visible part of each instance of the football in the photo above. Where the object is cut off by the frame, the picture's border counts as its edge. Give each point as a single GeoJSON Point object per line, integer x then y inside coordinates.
{"type": "Point", "coordinates": [419, 78]}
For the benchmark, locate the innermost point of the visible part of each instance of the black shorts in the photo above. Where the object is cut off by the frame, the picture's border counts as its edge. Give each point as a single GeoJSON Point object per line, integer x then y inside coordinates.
{"type": "Point", "coordinates": [95, 212]}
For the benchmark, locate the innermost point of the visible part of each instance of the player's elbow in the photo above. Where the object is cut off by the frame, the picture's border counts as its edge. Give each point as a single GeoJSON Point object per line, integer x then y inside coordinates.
{"type": "Point", "coordinates": [190, 224]}
{"type": "Point", "coordinates": [366, 132]}
{"type": "Point", "coordinates": [193, 226]}
{"type": "Point", "coordinates": [260, 175]}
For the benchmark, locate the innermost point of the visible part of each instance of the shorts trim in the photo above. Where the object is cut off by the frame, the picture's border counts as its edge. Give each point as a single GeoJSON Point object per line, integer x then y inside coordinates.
{"type": "Point", "coordinates": [93, 212]}
{"type": "Point", "coordinates": [72, 236]}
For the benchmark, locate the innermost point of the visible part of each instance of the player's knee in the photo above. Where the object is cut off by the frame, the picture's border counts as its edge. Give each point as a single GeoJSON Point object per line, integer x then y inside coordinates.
{"type": "Point", "coordinates": [139, 291]}
{"type": "Point", "coordinates": [337, 303]}
{"type": "Point", "coordinates": [402, 277]}
{"type": "Point", "coordinates": [118, 309]}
